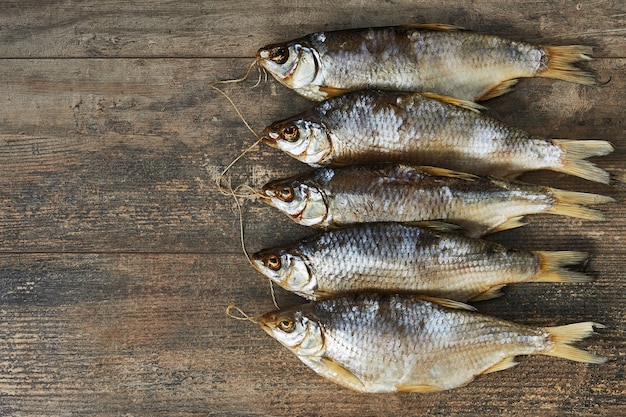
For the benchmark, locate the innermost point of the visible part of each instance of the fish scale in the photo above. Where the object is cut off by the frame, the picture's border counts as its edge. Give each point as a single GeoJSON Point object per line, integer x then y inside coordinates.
{"type": "Point", "coordinates": [393, 257]}
{"type": "Point", "coordinates": [436, 58]}
{"type": "Point", "coordinates": [386, 343]}
{"type": "Point", "coordinates": [331, 197]}
{"type": "Point", "coordinates": [425, 129]}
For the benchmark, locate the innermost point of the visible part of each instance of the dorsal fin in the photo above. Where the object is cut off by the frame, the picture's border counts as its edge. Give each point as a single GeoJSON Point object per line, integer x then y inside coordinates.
{"type": "Point", "coordinates": [437, 226]}
{"type": "Point", "coordinates": [465, 104]}
{"type": "Point", "coordinates": [443, 172]}
{"type": "Point", "coordinates": [444, 302]}
{"type": "Point", "coordinates": [433, 26]}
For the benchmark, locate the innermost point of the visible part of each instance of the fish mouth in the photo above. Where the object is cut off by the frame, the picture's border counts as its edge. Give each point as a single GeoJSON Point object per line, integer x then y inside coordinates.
{"type": "Point", "coordinates": [267, 200]}
{"type": "Point", "coordinates": [265, 52]}
{"type": "Point", "coordinates": [257, 261]}
{"type": "Point", "coordinates": [268, 140]}
{"type": "Point", "coordinates": [265, 322]}
{"type": "Point", "coordinates": [262, 53]}
{"type": "Point", "coordinates": [266, 194]}
{"type": "Point", "coordinates": [266, 328]}
{"type": "Point", "coordinates": [277, 53]}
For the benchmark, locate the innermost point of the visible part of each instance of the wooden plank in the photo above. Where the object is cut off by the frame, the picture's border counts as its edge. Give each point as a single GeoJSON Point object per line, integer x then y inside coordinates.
{"type": "Point", "coordinates": [163, 28]}
{"type": "Point", "coordinates": [100, 334]}
{"type": "Point", "coordinates": [118, 255]}
{"type": "Point", "coordinates": [126, 162]}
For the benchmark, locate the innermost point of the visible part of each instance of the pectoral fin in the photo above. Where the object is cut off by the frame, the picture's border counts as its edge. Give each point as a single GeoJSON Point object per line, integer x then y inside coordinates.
{"type": "Point", "coordinates": [344, 376]}
{"type": "Point", "coordinates": [317, 295]}
{"type": "Point", "coordinates": [332, 91]}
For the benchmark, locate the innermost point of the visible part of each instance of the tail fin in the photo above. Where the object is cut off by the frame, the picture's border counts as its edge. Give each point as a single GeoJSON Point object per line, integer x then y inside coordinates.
{"type": "Point", "coordinates": [551, 267]}
{"type": "Point", "coordinates": [563, 336]}
{"type": "Point", "coordinates": [576, 151]}
{"type": "Point", "coordinates": [569, 203]}
{"type": "Point", "coordinates": [560, 60]}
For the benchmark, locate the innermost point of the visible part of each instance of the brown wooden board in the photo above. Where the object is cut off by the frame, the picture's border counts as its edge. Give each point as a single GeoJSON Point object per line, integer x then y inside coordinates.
{"type": "Point", "coordinates": [118, 255]}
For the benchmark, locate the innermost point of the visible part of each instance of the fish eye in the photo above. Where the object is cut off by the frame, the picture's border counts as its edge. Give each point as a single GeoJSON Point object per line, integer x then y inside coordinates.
{"type": "Point", "coordinates": [272, 262]}
{"type": "Point", "coordinates": [291, 133]}
{"type": "Point", "coordinates": [286, 194]}
{"type": "Point", "coordinates": [287, 325]}
{"type": "Point", "coordinates": [279, 54]}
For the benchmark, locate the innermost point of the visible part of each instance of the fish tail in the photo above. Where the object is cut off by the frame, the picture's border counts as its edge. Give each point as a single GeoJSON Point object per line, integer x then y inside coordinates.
{"type": "Point", "coordinates": [551, 267]}
{"type": "Point", "coordinates": [570, 203]}
{"type": "Point", "coordinates": [563, 336]}
{"type": "Point", "coordinates": [576, 151]}
{"type": "Point", "coordinates": [561, 60]}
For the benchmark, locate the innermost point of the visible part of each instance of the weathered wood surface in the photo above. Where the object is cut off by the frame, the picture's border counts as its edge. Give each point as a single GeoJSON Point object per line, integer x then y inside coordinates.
{"type": "Point", "coordinates": [118, 256]}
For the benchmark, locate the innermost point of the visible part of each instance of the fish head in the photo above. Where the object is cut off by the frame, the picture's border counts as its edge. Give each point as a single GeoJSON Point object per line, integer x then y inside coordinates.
{"type": "Point", "coordinates": [287, 269]}
{"type": "Point", "coordinates": [293, 64]}
{"type": "Point", "coordinates": [306, 140]}
{"type": "Point", "coordinates": [295, 329]}
{"type": "Point", "coordinates": [302, 201]}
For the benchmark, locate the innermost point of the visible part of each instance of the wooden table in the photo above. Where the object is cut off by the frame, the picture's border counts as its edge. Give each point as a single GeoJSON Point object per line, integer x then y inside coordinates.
{"type": "Point", "coordinates": [119, 256]}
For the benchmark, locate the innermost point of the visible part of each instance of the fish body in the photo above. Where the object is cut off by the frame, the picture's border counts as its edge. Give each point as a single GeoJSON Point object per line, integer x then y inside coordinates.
{"type": "Point", "coordinates": [388, 343]}
{"type": "Point", "coordinates": [373, 126]}
{"type": "Point", "coordinates": [435, 58]}
{"type": "Point", "coordinates": [332, 197]}
{"type": "Point", "coordinates": [394, 257]}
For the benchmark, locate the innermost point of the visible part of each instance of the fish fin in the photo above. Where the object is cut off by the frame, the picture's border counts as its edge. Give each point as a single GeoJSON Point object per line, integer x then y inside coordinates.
{"type": "Point", "coordinates": [465, 104]}
{"type": "Point", "coordinates": [500, 89]}
{"type": "Point", "coordinates": [560, 60]}
{"type": "Point", "coordinates": [574, 197]}
{"type": "Point", "coordinates": [562, 336]}
{"type": "Point", "coordinates": [444, 302]}
{"type": "Point", "coordinates": [443, 172]}
{"type": "Point", "coordinates": [511, 223]}
{"type": "Point", "coordinates": [572, 210]}
{"type": "Point", "coordinates": [511, 176]}
{"type": "Point", "coordinates": [576, 151]}
{"type": "Point", "coordinates": [316, 295]}
{"type": "Point", "coordinates": [569, 203]}
{"type": "Point", "coordinates": [417, 388]}
{"type": "Point", "coordinates": [505, 363]}
{"type": "Point", "coordinates": [344, 376]}
{"type": "Point", "coordinates": [332, 91]}
{"type": "Point", "coordinates": [437, 226]}
{"type": "Point", "coordinates": [551, 267]}
{"type": "Point", "coordinates": [433, 26]}
{"type": "Point", "coordinates": [493, 292]}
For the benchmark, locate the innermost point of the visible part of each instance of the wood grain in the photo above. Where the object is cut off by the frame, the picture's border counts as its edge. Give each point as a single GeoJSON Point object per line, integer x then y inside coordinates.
{"type": "Point", "coordinates": [119, 256]}
{"type": "Point", "coordinates": [63, 28]}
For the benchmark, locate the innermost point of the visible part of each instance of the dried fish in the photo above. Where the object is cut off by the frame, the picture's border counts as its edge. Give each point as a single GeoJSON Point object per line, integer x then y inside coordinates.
{"type": "Point", "coordinates": [436, 58]}
{"type": "Point", "coordinates": [374, 126]}
{"type": "Point", "coordinates": [394, 257]}
{"type": "Point", "coordinates": [388, 343]}
{"type": "Point", "coordinates": [330, 197]}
